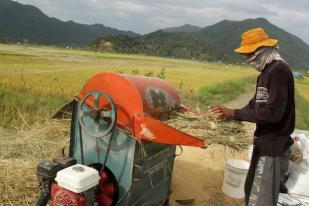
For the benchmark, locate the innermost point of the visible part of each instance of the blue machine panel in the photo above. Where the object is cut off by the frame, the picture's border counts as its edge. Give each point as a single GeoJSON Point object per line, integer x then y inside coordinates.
{"type": "Point", "coordinates": [143, 170]}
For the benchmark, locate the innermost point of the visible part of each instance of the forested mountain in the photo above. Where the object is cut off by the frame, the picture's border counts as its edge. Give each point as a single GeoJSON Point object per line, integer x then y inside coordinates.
{"type": "Point", "coordinates": [212, 43]}
{"type": "Point", "coordinates": [20, 22]}
{"type": "Point", "coordinates": [183, 28]}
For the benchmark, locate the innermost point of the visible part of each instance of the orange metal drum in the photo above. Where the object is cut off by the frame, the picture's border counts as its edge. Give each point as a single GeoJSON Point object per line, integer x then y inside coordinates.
{"type": "Point", "coordinates": [158, 97]}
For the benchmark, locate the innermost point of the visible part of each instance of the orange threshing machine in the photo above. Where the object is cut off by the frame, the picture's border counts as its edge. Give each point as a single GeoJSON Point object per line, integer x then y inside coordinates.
{"type": "Point", "coordinates": [121, 153]}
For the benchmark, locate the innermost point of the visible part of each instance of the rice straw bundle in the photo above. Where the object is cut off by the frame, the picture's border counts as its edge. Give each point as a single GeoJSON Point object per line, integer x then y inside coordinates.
{"type": "Point", "coordinates": [228, 133]}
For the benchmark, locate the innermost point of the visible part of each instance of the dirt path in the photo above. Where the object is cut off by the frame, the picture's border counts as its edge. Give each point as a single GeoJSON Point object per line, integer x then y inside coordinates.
{"type": "Point", "coordinates": [198, 174]}
{"type": "Point", "coordinates": [240, 102]}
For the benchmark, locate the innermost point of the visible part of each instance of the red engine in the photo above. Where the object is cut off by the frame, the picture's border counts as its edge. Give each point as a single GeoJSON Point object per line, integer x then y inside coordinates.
{"type": "Point", "coordinates": [105, 194]}
{"type": "Point", "coordinates": [64, 197]}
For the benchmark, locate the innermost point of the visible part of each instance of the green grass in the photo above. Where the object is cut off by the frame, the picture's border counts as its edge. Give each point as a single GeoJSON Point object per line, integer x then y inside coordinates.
{"type": "Point", "coordinates": [223, 92]}
{"type": "Point", "coordinates": [20, 109]}
{"type": "Point", "coordinates": [302, 112]}
{"type": "Point", "coordinates": [302, 103]}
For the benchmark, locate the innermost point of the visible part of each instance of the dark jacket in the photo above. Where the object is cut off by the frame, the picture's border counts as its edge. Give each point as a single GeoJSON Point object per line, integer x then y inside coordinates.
{"type": "Point", "coordinates": [272, 109]}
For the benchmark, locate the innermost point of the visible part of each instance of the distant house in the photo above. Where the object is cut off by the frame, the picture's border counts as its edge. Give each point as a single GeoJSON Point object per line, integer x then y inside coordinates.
{"type": "Point", "coordinates": [297, 75]}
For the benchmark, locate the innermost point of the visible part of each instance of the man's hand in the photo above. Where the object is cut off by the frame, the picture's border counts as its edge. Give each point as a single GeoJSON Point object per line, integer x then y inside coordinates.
{"type": "Point", "coordinates": [219, 112]}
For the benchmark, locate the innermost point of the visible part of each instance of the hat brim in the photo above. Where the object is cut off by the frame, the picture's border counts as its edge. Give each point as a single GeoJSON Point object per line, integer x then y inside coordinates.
{"type": "Point", "coordinates": [252, 47]}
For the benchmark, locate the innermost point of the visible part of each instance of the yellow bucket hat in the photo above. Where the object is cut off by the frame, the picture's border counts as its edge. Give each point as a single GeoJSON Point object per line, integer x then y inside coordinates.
{"type": "Point", "coordinates": [253, 39]}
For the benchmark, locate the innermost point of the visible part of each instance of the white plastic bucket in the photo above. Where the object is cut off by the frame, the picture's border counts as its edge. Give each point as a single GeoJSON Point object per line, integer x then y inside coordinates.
{"type": "Point", "coordinates": [234, 178]}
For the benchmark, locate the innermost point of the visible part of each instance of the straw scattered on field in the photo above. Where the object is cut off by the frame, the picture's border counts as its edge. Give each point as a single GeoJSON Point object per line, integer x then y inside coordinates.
{"type": "Point", "coordinates": [20, 153]}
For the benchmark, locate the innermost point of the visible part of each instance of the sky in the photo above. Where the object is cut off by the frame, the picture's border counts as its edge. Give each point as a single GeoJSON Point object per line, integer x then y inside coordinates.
{"type": "Point", "coordinates": [144, 16]}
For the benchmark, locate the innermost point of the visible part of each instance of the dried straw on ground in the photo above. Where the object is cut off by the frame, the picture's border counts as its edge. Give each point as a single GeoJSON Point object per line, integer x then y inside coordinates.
{"type": "Point", "coordinates": [228, 133]}
{"type": "Point", "coordinates": [21, 151]}
{"type": "Point", "coordinates": [19, 155]}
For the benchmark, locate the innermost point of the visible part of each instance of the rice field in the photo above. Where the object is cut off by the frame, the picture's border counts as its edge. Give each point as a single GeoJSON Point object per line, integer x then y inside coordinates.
{"type": "Point", "coordinates": [47, 77]}
{"type": "Point", "coordinates": [36, 80]}
{"type": "Point", "coordinates": [62, 72]}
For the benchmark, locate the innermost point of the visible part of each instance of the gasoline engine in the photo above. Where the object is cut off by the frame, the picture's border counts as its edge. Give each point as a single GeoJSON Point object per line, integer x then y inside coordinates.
{"type": "Point", "coordinates": [120, 153]}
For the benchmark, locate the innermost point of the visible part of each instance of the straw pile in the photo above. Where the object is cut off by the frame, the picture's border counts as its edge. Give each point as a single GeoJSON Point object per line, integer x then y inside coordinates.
{"type": "Point", "coordinates": [228, 133]}
{"type": "Point", "coordinates": [19, 155]}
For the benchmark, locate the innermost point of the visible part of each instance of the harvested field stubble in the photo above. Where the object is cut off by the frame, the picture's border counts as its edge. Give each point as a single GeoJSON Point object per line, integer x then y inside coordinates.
{"type": "Point", "coordinates": [19, 154]}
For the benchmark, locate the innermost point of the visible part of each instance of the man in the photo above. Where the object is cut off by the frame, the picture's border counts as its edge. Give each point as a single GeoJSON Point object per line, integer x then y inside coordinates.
{"type": "Point", "coordinates": [273, 110]}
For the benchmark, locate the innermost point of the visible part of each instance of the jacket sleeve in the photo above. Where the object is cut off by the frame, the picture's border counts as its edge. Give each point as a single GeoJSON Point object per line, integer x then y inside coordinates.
{"type": "Point", "coordinates": [271, 111]}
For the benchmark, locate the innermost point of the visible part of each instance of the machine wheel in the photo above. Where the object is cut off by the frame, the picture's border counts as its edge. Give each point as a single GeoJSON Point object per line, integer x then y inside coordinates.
{"type": "Point", "coordinates": [101, 114]}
